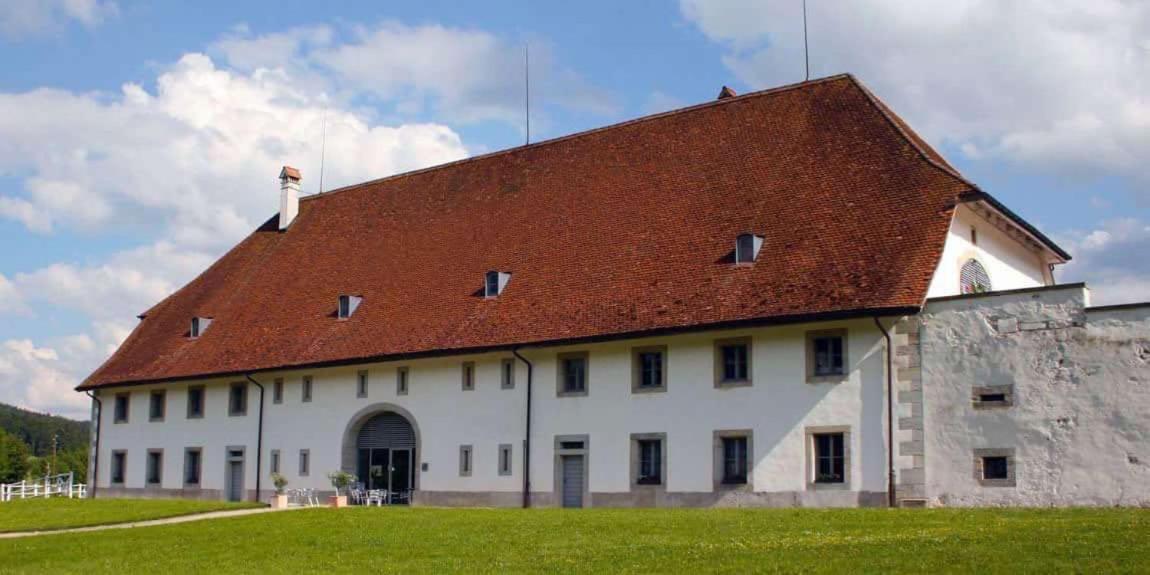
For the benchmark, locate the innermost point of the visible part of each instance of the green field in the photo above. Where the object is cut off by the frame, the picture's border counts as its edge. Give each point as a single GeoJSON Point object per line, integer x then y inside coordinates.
{"type": "Point", "coordinates": [733, 541]}
{"type": "Point", "coordinates": [57, 513]}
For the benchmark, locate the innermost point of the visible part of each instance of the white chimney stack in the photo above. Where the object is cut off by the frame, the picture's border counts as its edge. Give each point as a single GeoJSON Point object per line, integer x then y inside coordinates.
{"type": "Point", "coordinates": [289, 196]}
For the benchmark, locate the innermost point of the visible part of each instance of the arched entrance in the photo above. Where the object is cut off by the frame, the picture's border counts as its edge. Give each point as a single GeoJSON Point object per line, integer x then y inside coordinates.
{"type": "Point", "coordinates": [381, 448]}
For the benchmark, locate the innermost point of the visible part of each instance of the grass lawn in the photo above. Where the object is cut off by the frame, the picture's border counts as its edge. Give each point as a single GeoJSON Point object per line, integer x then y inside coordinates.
{"type": "Point", "coordinates": [649, 540]}
{"type": "Point", "coordinates": [57, 513]}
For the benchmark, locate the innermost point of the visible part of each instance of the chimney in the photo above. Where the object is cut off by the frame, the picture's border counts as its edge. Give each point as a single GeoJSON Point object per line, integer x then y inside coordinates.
{"type": "Point", "coordinates": [726, 93]}
{"type": "Point", "coordinates": [289, 196]}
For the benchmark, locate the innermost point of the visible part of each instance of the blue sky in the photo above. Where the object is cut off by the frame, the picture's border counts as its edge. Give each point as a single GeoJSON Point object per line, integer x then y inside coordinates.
{"type": "Point", "coordinates": [138, 141]}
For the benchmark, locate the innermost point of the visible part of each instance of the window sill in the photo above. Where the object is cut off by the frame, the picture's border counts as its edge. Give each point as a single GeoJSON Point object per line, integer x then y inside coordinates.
{"type": "Point", "coordinates": [827, 486]}
{"type": "Point", "coordinates": [997, 483]}
{"type": "Point", "coordinates": [815, 379]}
{"type": "Point", "coordinates": [640, 389]}
{"type": "Point", "coordinates": [200, 416]}
{"type": "Point", "coordinates": [191, 486]}
{"type": "Point", "coordinates": [155, 420]}
{"type": "Point", "coordinates": [724, 486]}
{"type": "Point", "coordinates": [732, 383]}
{"type": "Point", "coordinates": [572, 394]}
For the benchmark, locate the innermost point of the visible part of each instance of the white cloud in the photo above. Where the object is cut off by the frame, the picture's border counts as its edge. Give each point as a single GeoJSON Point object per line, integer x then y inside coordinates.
{"type": "Point", "coordinates": [34, 378]}
{"type": "Point", "coordinates": [1061, 84]}
{"type": "Point", "coordinates": [465, 75]}
{"type": "Point", "coordinates": [1112, 259]}
{"type": "Point", "coordinates": [10, 299]}
{"type": "Point", "coordinates": [20, 18]}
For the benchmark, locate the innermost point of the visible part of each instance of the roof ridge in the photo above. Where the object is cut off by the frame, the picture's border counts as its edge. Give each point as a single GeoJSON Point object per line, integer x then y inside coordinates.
{"type": "Point", "coordinates": [641, 119]}
{"type": "Point", "coordinates": [897, 123]}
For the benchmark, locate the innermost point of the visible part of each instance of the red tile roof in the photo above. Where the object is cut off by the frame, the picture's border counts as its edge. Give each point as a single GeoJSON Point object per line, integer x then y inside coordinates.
{"type": "Point", "coordinates": [618, 231]}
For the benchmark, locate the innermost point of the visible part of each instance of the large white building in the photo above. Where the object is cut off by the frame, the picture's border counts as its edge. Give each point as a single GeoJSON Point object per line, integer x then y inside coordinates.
{"type": "Point", "coordinates": [782, 298]}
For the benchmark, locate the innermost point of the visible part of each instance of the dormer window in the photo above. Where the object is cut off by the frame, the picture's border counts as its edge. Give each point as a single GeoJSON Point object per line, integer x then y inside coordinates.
{"type": "Point", "coordinates": [747, 248]}
{"type": "Point", "coordinates": [199, 326]}
{"type": "Point", "coordinates": [348, 305]}
{"type": "Point", "coordinates": [494, 283]}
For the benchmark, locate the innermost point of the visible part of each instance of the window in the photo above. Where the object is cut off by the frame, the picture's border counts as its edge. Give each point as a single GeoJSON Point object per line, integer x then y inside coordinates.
{"type": "Point", "coordinates": [278, 390]}
{"type": "Point", "coordinates": [830, 458]}
{"type": "Point", "coordinates": [199, 326]}
{"type": "Point", "coordinates": [468, 375]}
{"type": "Point", "coordinates": [121, 411]}
{"type": "Point", "coordinates": [974, 236]}
{"type": "Point", "coordinates": [304, 462]}
{"type": "Point", "coordinates": [119, 464]}
{"type": "Point", "coordinates": [826, 355]}
{"type": "Point", "coordinates": [238, 399]}
{"type": "Point", "coordinates": [347, 305]}
{"type": "Point", "coordinates": [192, 466]}
{"type": "Point", "coordinates": [494, 282]}
{"type": "Point", "coordinates": [305, 389]}
{"type": "Point", "coordinates": [973, 278]}
{"type": "Point", "coordinates": [361, 384]}
{"type": "Point", "coordinates": [505, 459]}
{"type": "Point", "coordinates": [195, 402]}
{"type": "Point", "coordinates": [995, 467]}
{"type": "Point", "coordinates": [156, 401]}
{"type": "Point", "coordinates": [155, 467]}
{"type": "Point", "coordinates": [573, 373]}
{"type": "Point", "coordinates": [647, 457]}
{"type": "Point", "coordinates": [507, 373]}
{"type": "Point", "coordinates": [275, 461]}
{"type": "Point", "coordinates": [733, 362]}
{"type": "Point", "coordinates": [992, 396]}
{"type": "Point", "coordinates": [733, 449]}
{"type": "Point", "coordinates": [649, 369]}
{"type": "Point", "coordinates": [747, 248]}
{"type": "Point", "coordinates": [464, 460]}
{"type": "Point", "coordinates": [401, 375]}
{"type": "Point", "coordinates": [734, 460]}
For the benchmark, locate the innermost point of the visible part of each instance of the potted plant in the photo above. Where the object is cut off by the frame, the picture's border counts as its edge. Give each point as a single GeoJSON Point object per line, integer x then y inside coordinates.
{"type": "Point", "coordinates": [280, 499]}
{"type": "Point", "coordinates": [340, 480]}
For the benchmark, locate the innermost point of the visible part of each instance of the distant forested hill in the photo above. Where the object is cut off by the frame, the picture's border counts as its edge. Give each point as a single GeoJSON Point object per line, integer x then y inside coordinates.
{"type": "Point", "coordinates": [37, 429]}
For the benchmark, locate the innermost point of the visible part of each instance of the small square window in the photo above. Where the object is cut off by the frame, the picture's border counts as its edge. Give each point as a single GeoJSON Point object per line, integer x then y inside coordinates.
{"type": "Point", "coordinates": [156, 405]}
{"type": "Point", "coordinates": [573, 373]}
{"type": "Point", "coordinates": [507, 367]}
{"type": "Point", "coordinates": [119, 465]}
{"type": "Point", "coordinates": [995, 467]}
{"type": "Point", "coordinates": [155, 467]}
{"type": "Point", "coordinates": [826, 355]}
{"type": "Point", "coordinates": [305, 389]}
{"type": "Point", "coordinates": [122, 406]}
{"type": "Point", "coordinates": [192, 457]}
{"type": "Point", "coordinates": [465, 461]}
{"type": "Point", "coordinates": [195, 402]}
{"type": "Point", "coordinates": [649, 371]}
{"type": "Point", "coordinates": [468, 375]}
{"type": "Point", "coordinates": [278, 390]}
{"type": "Point", "coordinates": [401, 376]}
{"type": "Point", "coordinates": [238, 399]}
{"type": "Point", "coordinates": [992, 396]}
{"type": "Point", "coordinates": [361, 384]}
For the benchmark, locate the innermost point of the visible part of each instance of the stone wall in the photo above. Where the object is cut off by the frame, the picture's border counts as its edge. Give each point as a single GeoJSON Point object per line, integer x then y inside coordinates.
{"type": "Point", "coordinates": [1060, 389]}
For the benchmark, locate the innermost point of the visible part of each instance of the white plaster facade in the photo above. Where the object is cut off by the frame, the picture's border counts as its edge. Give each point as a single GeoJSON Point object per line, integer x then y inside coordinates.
{"type": "Point", "coordinates": [1077, 422]}
{"type": "Point", "coordinates": [778, 406]}
{"type": "Point", "coordinates": [1009, 263]}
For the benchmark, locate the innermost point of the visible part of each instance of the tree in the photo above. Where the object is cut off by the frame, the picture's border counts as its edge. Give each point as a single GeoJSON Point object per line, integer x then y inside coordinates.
{"type": "Point", "coordinates": [14, 456]}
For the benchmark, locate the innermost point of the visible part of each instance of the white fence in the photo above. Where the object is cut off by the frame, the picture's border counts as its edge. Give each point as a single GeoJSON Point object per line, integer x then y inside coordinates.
{"type": "Point", "coordinates": [51, 486]}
